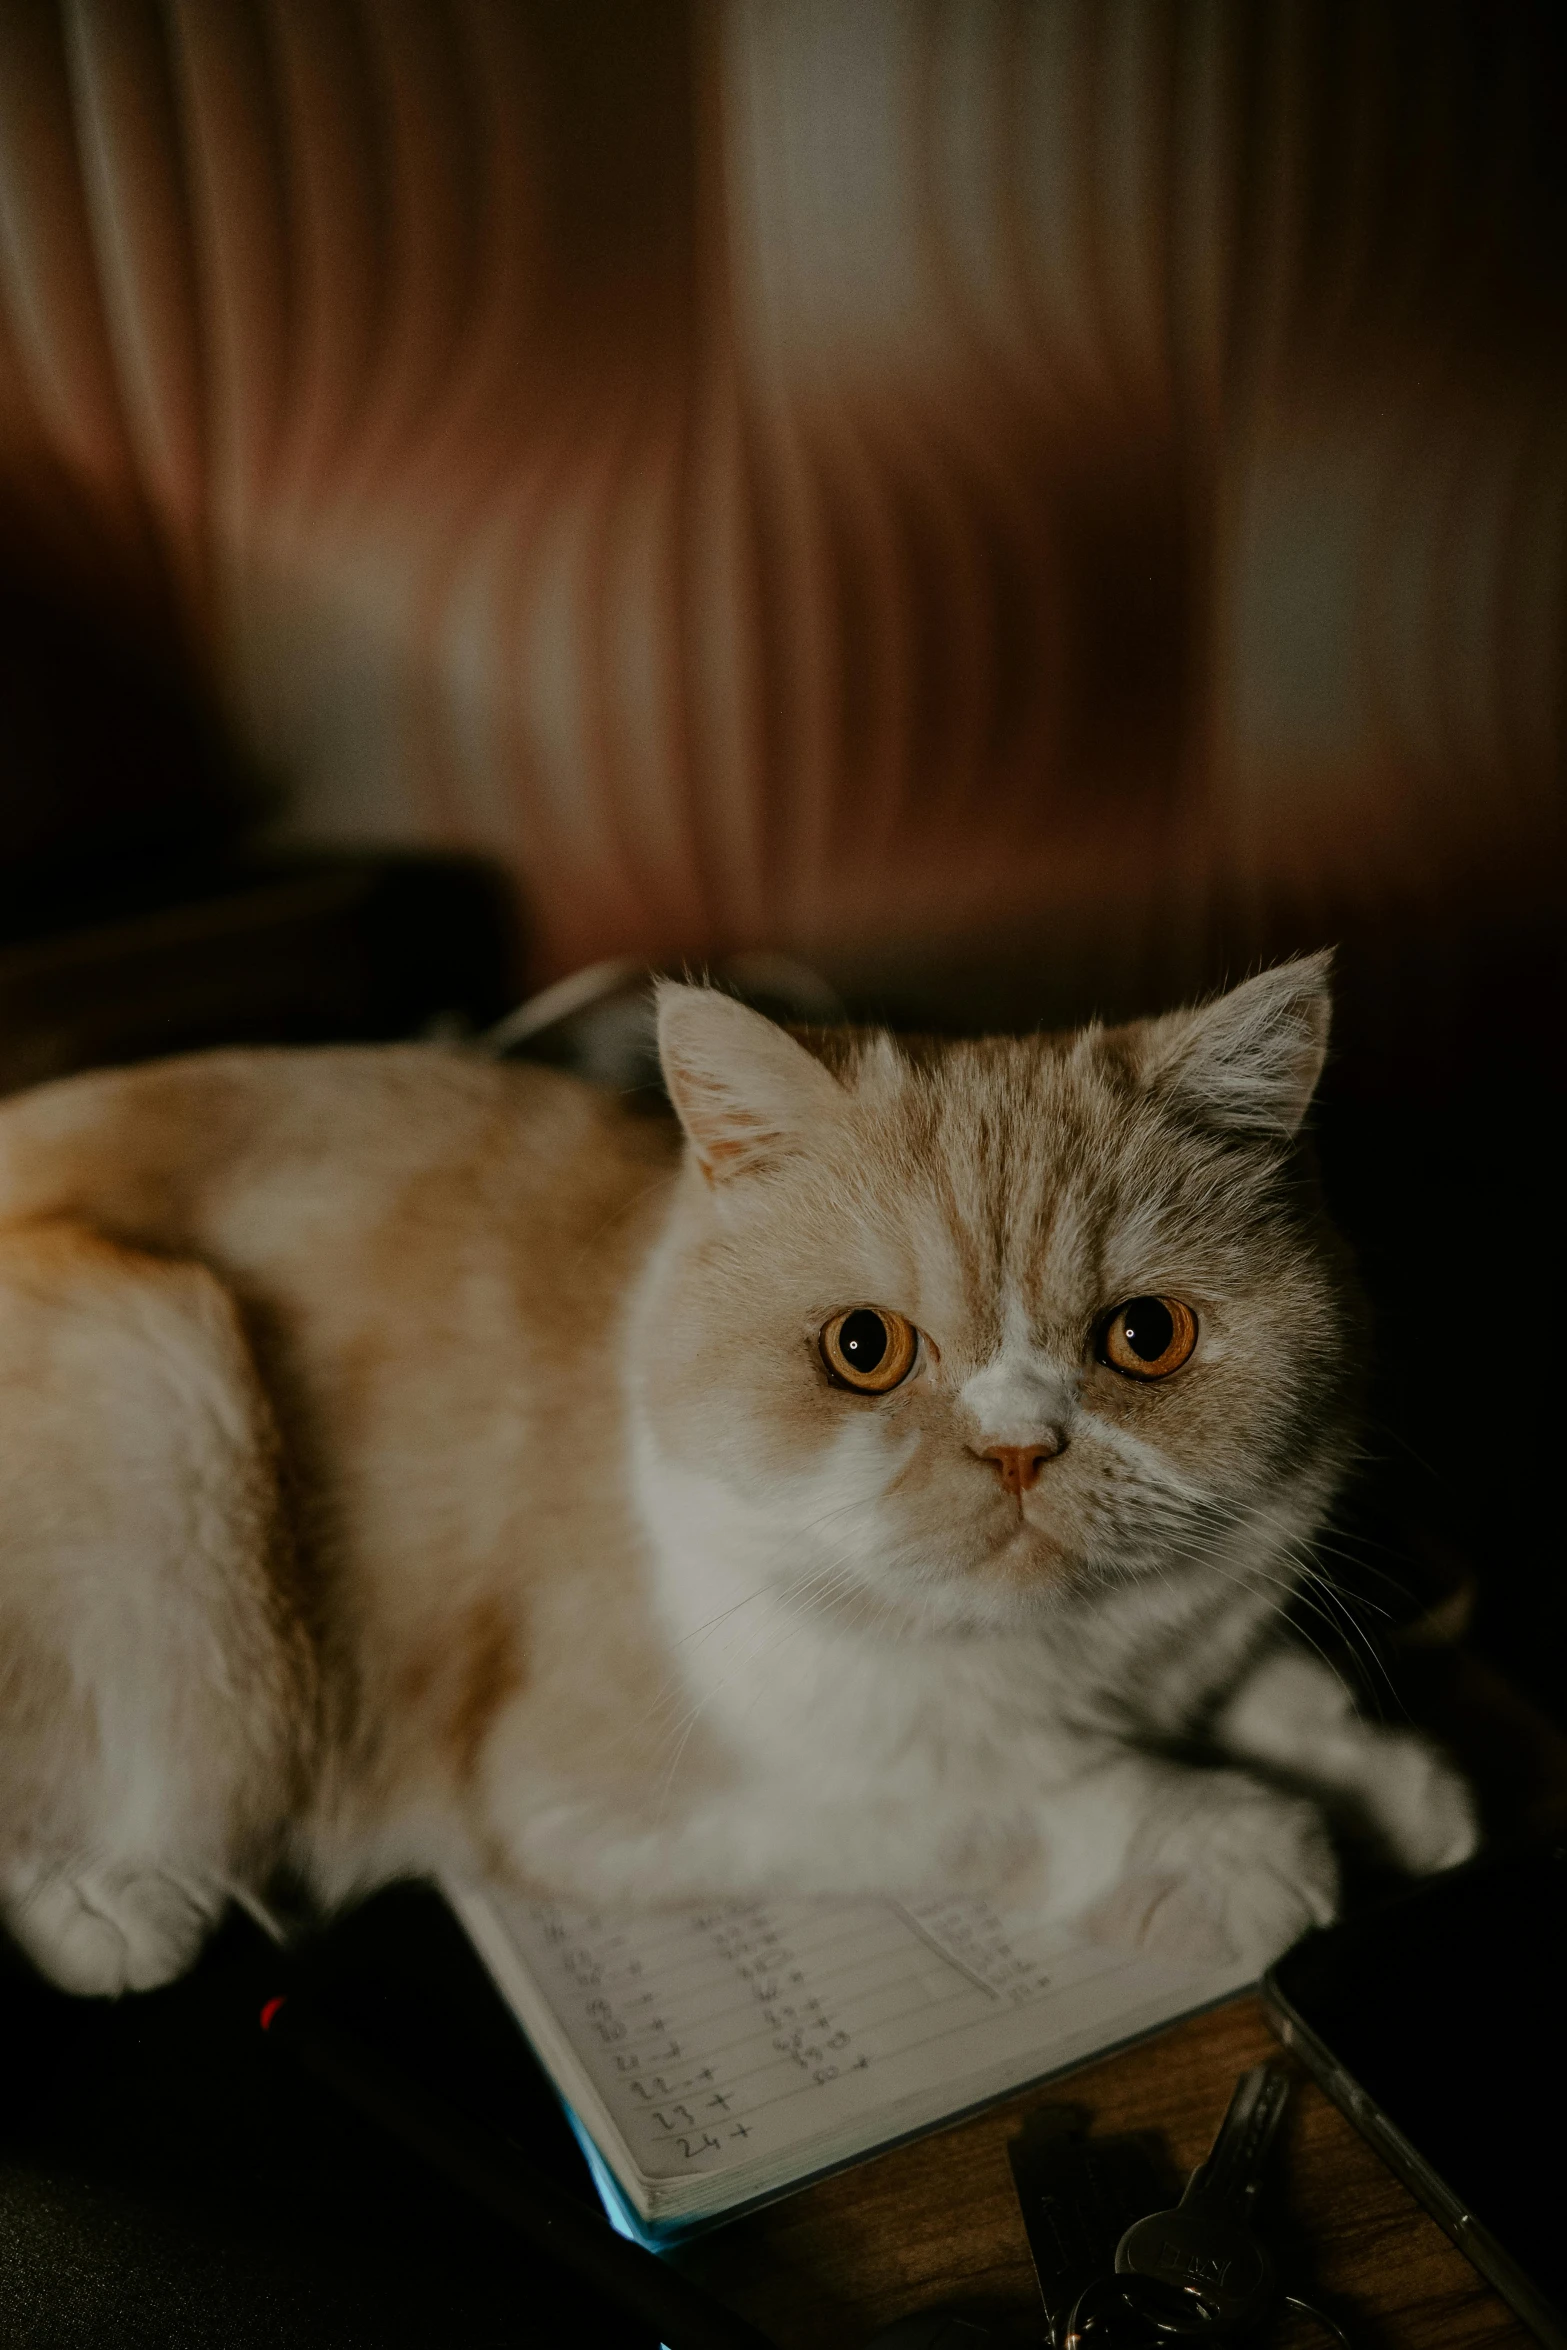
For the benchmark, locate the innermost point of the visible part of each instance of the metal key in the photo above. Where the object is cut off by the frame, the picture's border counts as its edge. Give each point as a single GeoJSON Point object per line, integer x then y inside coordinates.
{"type": "Point", "coordinates": [1205, 2248]}
{"type": "Point", "coordinates": [1077, 2195]}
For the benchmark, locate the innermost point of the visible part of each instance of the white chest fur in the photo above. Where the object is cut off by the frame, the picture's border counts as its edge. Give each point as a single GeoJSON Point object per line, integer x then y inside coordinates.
{"type": "Point", "coordinates": [799, 1672]}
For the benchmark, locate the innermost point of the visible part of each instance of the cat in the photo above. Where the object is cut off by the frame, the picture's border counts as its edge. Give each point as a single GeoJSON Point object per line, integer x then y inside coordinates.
{"type": "Point", "coordinates": [889, 1477]}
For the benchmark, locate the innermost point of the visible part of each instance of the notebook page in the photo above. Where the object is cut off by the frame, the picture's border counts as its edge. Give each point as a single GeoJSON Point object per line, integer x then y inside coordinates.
{"type": "Point", "coordinates": [756, 2036]}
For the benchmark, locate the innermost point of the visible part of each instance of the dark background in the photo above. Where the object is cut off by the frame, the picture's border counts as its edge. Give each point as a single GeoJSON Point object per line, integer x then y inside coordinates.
{"type": "Point", "coordinates": [171, 2178]}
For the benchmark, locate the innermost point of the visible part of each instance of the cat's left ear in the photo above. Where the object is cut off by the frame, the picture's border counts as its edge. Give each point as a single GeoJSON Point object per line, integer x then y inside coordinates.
{"type": "Point", "coordinates": [745, 1092]}
{"type": "Point", "coordinates": [1249, 1062]}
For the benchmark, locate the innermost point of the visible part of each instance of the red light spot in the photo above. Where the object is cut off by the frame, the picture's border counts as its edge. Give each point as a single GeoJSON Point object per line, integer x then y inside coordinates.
{"type": "Point", "coordinates": [270, 2010]}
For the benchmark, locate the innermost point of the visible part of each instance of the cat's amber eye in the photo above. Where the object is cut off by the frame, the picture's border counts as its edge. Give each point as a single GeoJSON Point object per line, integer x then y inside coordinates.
{"type": "Point", "coordinates": [1149, 1337]}
{"type": "Point", "coordinates": [870, 1349]}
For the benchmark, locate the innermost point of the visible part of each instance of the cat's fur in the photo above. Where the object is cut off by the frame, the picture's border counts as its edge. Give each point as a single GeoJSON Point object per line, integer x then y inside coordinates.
{"type": "Point", "coordinates": [409, 1462]}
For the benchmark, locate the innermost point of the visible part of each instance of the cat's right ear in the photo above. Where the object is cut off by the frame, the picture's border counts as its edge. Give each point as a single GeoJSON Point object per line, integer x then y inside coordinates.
{"type": "Point", "coordinates": [745, 1092]}
{"type": "Point", "coordinates": [1247, 1063]}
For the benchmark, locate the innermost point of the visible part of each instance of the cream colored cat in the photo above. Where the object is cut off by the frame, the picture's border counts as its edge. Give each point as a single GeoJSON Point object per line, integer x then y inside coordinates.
{"type": "Point", "coordinates": [411, 1462]}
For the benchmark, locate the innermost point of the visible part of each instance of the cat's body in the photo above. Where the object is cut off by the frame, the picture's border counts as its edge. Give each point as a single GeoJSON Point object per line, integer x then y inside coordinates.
{"type": "Point", "coordinates": [410, 1463]}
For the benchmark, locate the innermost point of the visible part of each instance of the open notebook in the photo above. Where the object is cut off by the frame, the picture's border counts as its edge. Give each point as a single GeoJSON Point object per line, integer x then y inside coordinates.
{"type": "Point", "coordinates": [716, 2057]}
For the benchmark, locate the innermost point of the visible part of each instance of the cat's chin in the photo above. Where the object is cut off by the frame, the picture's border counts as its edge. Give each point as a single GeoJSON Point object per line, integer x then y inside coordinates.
{"type": "Point", "coordinates": [1028, 1560]}
{"type": "Point", "coordinates": [1005, 1587]}
{"type": "Point", "coordinates": [967, 1608]}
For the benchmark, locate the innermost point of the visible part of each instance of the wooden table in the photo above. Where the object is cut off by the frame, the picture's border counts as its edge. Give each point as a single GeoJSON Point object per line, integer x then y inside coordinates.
{"type": "Point", "coordinates": [938, 2220]}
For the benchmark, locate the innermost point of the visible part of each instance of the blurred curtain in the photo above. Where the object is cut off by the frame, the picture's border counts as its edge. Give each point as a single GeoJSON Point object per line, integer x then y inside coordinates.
{"type": "Point", "coordinates": [863, 475]}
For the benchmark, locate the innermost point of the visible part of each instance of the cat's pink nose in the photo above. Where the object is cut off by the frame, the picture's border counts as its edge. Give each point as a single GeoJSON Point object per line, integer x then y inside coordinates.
{"type": "Point", "coordinates": [1018, 1465]}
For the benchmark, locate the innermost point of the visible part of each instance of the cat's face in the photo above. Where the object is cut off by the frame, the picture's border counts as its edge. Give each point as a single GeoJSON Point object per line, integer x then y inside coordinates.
{"type": "Point", "coordinates": [980, 1325]}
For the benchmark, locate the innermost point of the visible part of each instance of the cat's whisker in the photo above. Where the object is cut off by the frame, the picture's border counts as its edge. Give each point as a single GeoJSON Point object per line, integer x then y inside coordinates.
{"type": "Point", "coordinates": [1244, 1583]}
{"type": "Point", "coordinates": [716, 1685]}
{"type": "Point", "coordinates": [1356, 1637]}
{"type": "Point", "coordinates": [1293, 1548]}
{"type": "Point", "coordinates": [785, 1545]}
{"type": "Point", "coordinates": [1300, 1549]}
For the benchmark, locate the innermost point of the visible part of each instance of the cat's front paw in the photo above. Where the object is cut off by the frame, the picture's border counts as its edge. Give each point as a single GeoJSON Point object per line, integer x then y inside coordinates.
{"type": "Point", "coordinates": [1417, 1805]}
{"type": "Point", "coordinates": [1238, 1873]}
{"type": "Point", "coordinates": [102, 1931]}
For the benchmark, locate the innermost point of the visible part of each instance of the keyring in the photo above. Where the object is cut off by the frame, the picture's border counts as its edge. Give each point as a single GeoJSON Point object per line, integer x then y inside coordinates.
{"type": "Point", "coordinates": [1105, 2312]}
{"type": "Point", "coordinates": [1318, 2317]}
{"type": "Point", "coordinates": [1101, 2311]}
